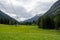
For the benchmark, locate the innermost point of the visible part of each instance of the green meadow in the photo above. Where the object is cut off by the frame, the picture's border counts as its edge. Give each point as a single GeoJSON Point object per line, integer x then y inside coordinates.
{"type": "Point", "coordinates": [27, 32]}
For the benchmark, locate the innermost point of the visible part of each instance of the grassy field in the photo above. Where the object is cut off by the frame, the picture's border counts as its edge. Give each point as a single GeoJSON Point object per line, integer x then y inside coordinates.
{"type": "Point", "coordinates": [26, 32]}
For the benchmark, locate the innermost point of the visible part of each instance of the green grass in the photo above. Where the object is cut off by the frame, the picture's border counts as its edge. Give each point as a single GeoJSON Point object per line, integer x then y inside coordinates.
{"type": "Point", "coordinates": [26, 32]}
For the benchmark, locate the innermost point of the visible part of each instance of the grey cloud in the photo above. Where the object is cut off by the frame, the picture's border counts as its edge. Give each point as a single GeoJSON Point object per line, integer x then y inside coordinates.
{"type": "Point", "coordinates": [6, 7]}
{"type": "Point", "coordinates": [18, 10]}
{"type": "Point", "coordinates": [42, 7]}
{"type": "Point", "coordinates": [21, 12]}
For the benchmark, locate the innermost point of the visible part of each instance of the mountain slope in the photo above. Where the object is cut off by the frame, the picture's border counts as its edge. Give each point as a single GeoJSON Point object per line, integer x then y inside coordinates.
{"type": "Point", "coordinates": [5, 19]}
{"type": "Point", "coordinates": [55, 9]}
{"type": "Point", "coordinates": [35, 18]}
{"type": "Point", "coordinates": [51, 19]}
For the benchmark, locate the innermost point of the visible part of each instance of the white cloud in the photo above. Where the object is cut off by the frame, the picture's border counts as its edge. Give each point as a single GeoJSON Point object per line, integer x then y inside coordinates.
{"type": "Point", "coordinates": [48, 0]}
{"type": "Point", "coordinates": [25, 8]}
{"type": "Point", "coordinates": [10, 14]}
{"type": "Point", "coordinates": [21, 19]}
{"type": "Point", "coordinates": [42, 6]}
{"type": "Point", "coordinates": [13, 15]}
{"type": "Point", "coordinates": [28, 4]}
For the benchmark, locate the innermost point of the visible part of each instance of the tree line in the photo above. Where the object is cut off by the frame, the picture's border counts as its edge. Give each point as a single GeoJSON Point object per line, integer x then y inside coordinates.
{"type": "Point", "coordinates": [46, 22]}
{"type": "Point", "coordinates": [8, 21]}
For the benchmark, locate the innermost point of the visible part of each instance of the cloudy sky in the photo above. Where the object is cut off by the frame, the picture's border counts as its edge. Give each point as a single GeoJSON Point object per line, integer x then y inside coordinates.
{"type": "Point", "coordinates": [25, 9]}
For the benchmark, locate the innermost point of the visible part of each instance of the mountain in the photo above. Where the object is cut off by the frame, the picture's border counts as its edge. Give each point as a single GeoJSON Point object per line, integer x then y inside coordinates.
{"type": "Point", "coordinates": [55, 9]}
{"type": "Point", "coordinates": [51, 19]}
{"type": "Point", "coordinates": [35, 18]}
{"type": "Point", "coordinates": [5, 19]}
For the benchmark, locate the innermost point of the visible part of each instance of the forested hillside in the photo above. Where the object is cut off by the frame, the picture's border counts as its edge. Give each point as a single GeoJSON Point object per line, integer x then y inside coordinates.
{"type": "Point", "coordinates": [5, 19]}
{"type": "Point", "coordinates": [51, 19]}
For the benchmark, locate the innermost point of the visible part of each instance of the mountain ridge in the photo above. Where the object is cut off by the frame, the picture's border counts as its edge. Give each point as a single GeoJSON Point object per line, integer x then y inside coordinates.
{"type": "Point", "coordinates": [6, 18]}
{"type": "Point", "coordinates": [35, 18]}
{"type": "Point", "coordinates": [54, 9]}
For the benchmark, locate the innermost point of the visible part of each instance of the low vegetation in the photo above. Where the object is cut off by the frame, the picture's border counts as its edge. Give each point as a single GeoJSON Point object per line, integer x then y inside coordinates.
{"type": "Point", "coordinates": [27, 32]}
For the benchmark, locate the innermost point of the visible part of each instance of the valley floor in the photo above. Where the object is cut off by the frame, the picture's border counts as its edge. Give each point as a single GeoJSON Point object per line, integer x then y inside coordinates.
{"type": "Point", "coordinates": [26, 32]}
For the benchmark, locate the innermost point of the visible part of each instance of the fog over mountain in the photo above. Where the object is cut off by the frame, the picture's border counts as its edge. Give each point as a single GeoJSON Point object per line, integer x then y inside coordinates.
{"type": "Point", "coordinates": [25, 9]}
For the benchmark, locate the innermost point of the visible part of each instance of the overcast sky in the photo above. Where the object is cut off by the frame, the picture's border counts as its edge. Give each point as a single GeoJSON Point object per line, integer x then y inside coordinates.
{"type": "Point", "coordinates": [24, 9]}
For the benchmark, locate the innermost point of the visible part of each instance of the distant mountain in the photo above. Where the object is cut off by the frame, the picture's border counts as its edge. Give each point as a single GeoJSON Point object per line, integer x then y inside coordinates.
{"type": "Point", "coordinates": [55, 9]}
{"type": "Point", "coordinates": [5, 19]}
{"type": "Point", "coordinates": [35, 18]}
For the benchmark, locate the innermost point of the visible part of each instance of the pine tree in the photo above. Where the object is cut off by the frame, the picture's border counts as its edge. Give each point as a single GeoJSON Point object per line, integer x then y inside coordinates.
{"type": "Point", "coordinates": [57, 21]}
